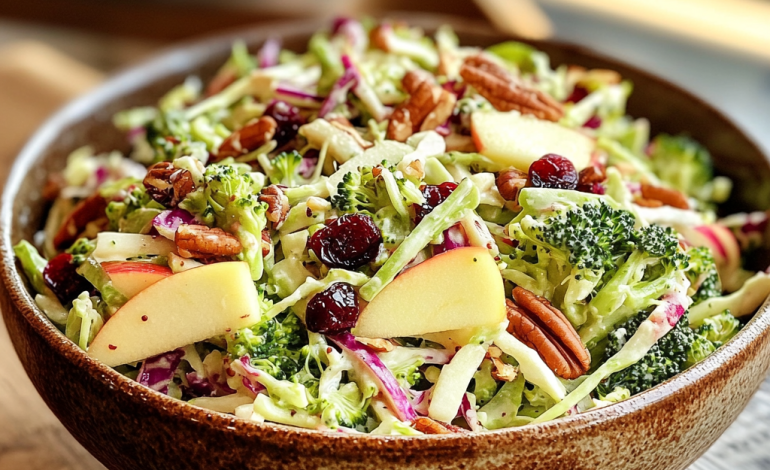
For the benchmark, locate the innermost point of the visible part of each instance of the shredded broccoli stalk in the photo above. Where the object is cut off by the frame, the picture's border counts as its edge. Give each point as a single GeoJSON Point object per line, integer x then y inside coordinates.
{"type": "Point", "coordinates": [531, 365]}
{"type": "Point", "coordinates": [742, 302]}
{"type": "Point", "coordinates": [83, 321]}
{"type": "Point", "coordinates": [464, 197]}
{"type": "Point", "coordinates": [660, 322]}
{"type": "Point", "coordinates": [502, 411]}
{"type": "Point", "coordinates": [313, 286]}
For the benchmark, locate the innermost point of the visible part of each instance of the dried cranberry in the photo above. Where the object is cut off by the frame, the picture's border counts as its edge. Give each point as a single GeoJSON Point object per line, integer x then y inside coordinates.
{"type": "Point", "coordinates": [334, 310]}
{"type": "Point", "coordinates": [61, 276]}
{"type": "Point", "coordinates": [348, 242]}
{"type": "Point", "coordinates": [553, 171]}
{"type": "Point", "coordinates": [434, 195]}
{"type": "Point", "coordinates": [288, 119]}
{"type": "Point", "coordinates": [594, 122]}
{"type": "Point", "coordinates": [578, 93]}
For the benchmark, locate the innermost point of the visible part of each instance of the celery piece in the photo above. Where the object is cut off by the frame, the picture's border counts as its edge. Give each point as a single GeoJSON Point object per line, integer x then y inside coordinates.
{"type": "Point", "coordinates": [464, 197]}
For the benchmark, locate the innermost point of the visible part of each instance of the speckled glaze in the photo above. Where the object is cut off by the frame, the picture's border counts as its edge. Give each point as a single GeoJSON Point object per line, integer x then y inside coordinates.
{"type": "Point", "coordinates": [128, 427]}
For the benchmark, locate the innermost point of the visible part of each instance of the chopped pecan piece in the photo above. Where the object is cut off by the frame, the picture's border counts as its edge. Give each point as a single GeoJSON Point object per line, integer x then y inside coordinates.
{"type": "Point", "coordinates": [168, 185]}
{"type": "Point", "coordinates": [277, 204]}
{"type": "Point", "coordinates": [247, 139]}
{"type": "Point", "coordinates": [427, 107]}
{"type": "Point", "coordinates": [90, 209]}
{"type": "Point", "coordinates": [501, 371]}
{"type": "Point", "coordinates": [666, 196]}
{"type": "Point", "coordinates": [640, 201]}
{"type": "Point", "coordinates": [431, 426]}
{"type": "Point", "coordinates": [510, 182]}
{"type": "Point", "coordinates": [267, 243]}
{"type": "Point", "coordinates": [377, 344]}
{"type": "Point", "coordinates": [506, 92]}
{"type": "Point", "coordinates": [541, 326]}
{"type": "Point", "coordinates": [199, 241]}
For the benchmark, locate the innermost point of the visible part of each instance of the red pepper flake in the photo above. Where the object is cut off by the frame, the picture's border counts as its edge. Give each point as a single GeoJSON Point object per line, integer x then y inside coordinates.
{"type": "Point", "coordinates": [309, 212]}
{"type": "Point", "coordinates": [293, 412]}
{"type": "Point", "coordinates": [328, 350]}
{"type": "Point", "coordinates": [144, 317]}
{"type": "Point", "coordinates": [112, 347]}
{"type": "Point", "coordinates": [246, 316]}
{"type": "Point", "coordinates": [230, 372]}
{"type": "Point", "coordinates": [228, 330]}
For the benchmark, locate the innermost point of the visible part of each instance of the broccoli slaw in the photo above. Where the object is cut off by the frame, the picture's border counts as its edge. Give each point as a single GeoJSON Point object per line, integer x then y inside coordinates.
{"type": "Point", "coordinates": [393, 233]}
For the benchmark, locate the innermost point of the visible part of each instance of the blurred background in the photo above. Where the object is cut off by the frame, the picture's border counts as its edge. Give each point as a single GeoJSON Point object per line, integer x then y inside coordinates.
{"type": "Point", "coordinates": [54, 50]}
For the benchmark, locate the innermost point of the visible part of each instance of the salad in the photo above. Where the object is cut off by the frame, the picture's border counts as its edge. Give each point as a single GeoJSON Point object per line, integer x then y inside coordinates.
{"type": "Point", "coordinates": [393, 233]}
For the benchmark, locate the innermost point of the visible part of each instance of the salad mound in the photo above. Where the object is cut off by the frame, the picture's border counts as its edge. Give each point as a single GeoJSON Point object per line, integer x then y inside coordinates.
{"type": "Point", "coordinates": [393, 233]}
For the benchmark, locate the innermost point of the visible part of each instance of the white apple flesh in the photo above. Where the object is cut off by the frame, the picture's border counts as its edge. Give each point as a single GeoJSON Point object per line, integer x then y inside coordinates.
{"type": "Point", "coordinates": [512, 139]}
{"type": "Point", "coordinates": [459, 289]}
{"type": "Point", "coordinates": [179, 310]}
{"type": "Point", "coordinates": [132, 277]}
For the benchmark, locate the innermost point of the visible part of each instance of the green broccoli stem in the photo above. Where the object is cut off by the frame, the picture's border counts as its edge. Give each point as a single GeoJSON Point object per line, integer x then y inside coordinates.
{"type": "Point", "coordinates": [464, 197]}
{"type": "Point", "coordinates": [503, 409]}
{"type": "Point", "coordinates": [98, 277]}
{"type": "Point", "coordinates": [634, 350]}
{"type": "Point", "coordinates": [330, 60]}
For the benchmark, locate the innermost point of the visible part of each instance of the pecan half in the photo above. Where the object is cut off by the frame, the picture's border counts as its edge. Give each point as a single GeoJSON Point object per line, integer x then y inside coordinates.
{"type": "Point", "coordinates": [168, 185]}
{"type": "Point", "coordinates": [199, 241]}
{"type": "Point", "coordinates": [427, 107]}
{"type": "Point", "coordinates": [247, 139]}
{"type": "Point", "coordinates": [277, 204]}
{"type": "Point", "coordinates": [90, 209]}
{"type": "Point", "coordinates": [666, 196]}
{"type": "Point", "coordinates": [506, 92]}
{"type": "Point", "coordinates": [510, 182]}
{"type": "Point", "coordinates": [541, 326]}
{"type": "Point", "coordinates": [431, 426]}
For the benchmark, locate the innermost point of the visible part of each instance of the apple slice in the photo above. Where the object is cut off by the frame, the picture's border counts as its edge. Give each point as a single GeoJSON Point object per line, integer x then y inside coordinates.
{"type": "Point", "coordinates": [179, 310]}
{"type": "Point", "coordinates": [132, 277]}
{"type": "Point", "coordinates": [512, 139]}
{"type": "Point", "coordinates": [461, 288]}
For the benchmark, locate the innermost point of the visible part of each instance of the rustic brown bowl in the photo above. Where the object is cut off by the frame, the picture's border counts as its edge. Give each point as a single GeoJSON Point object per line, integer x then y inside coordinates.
{"type": "Point", "coordinates": [127, 426]}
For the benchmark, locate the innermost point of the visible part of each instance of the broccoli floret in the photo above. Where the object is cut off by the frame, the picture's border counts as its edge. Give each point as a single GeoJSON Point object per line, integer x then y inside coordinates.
{"type": "Point", "coordinates": [284, 169]}
{"type": "Point", "coordinates": [359, 192]}
{"type": "Point", "coordinates": [681, 162]}
{"type": "Point", "coordinates": [273, 345]}
{"type": "Point", "coordinates": [584, 254]}
{"type": "Point", "coordinates": [228, 199]}
{"type": "Point", "coordinates": [594, 235]}
{"type": "Point", "coordinates": [668, 357]}
{"type": "Point", "coordinates": [719, 329]}
{"type": "Point", "coordinates": [346, 407]}
{"type": "Point", "coordinates": [699, 349]}
{"type": "Point", "coordinates": [703, 275]}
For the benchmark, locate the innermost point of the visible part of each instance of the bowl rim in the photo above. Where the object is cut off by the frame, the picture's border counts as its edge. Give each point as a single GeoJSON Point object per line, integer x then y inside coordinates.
{"type": "Point", "coordinates": [176, 59]}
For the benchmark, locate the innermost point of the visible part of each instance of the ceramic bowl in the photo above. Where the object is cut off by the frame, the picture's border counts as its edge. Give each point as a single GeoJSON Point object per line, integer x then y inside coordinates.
{"type": "Point", "coordinates": [127, 426]}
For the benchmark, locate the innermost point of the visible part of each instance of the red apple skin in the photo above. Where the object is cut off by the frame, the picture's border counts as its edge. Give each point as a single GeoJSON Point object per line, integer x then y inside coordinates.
{"type": "Point", "coordinates": [476, 139]}
{"type": "Point", "coordinates": [112, 267]}
{"type": "Point", "coordinates": [131, 277]}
